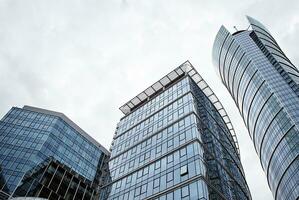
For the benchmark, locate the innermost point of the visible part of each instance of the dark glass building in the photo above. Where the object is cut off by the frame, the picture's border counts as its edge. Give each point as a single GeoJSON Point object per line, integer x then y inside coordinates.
{"type": "Point", "coordinates": [264, 84]}
{"type": "Point", "coordinates": [175, 142]}
{"type": "Point", "coordinates": [45, 154]}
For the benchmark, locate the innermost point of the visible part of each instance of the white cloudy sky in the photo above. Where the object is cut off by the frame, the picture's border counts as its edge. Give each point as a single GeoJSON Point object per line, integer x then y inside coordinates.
{"type": "Point", "coordinates": [87, 58]}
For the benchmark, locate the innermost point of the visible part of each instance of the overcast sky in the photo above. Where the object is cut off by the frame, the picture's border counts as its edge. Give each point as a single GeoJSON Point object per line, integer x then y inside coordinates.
{"type": "Point", "coordinates": [87, 58]}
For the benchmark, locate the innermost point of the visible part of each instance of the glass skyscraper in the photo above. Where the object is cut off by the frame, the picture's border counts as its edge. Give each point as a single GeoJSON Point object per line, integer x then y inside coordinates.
{"type": "Point", "coordinates": [175, 142]}
{"type": "Point", "coordinates": [45, 154]}
{"type": "Point", "coordinates": [265, 87]}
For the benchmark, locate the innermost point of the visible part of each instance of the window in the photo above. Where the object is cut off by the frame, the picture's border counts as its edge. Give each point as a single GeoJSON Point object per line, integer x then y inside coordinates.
{"type": "Point", "coordinates": [150, 129]}
{"type": "Point", "coordinates": [139, 173]}
{"type": "Point", "coordinates": [183, 152]}
{"type": "Point", "coordinates": [160, 114]}
{"type": "Point", "coordinates": [159, 136]}
{"type": "Point", "coordinates": [185, 191]}
{"type": "Point", "coordinates": [148, 112]}
{"type": "Point", "coordinates": [145, 171]}
{"type": "Point", "coordinates": [129, 178]}
{"type": "Point", "coordinates": [158, 164]}
{"type": "Point", "coordinates": [182, 136]}
{"type": "Point", "coordinates": [118, 184]}
{"type": "Point", "coordinates": [145, 132]}
{"type": "Point", "coordinates": [126, 195]}
{"type": "Point", "coordinates": [147, 155]}
{"type": "Point", "coordinates": [134, 150]}
{"type": "Point", "coordinates": [143, 189]}
{"type": "Point", "coordinates": [169, 177]}
{"type": "Point", "coordinates": [143, 145]}
{"type": "Point", "coordinates": [149, 142]}
{"type": "Point", "coordinates": [141, 158]}
{"type": "Point", "coordinates": [169, 196]}
{"type": "Point", "coordinates": [180, 101]}
{"type": "Point", "coordinates": [139, 117]}
{"type": "Point", "coordinates": [169, 143]}
{"type": "Point", "coordinates": [118, 148]}
{"type": "Point", "coordinates": [181, 111]}
{"type": "Point", "coordinates": [131, 164]}
{"type": "Point", "coordinates": [146, 121]}
{"type": "Point", "coordinates": [170, 158]}
{"type": "Point", "coordinates": [122, 169]}
{"type": "Point", "coordinates": [161, 103]}
{"type": "Point", "coordinates": [156, 183]}
{"type": "Point", "coordinates": [184, 170]}
{"type": "Point", "coordinates": [125, 155]}
{"type": "Point", "coordinates": [160, 123]}
{"type": "Point", "coordinates": [158, 149]}
{"type": "Point", "coordinates": [137, 191]}
{"type": "Point", "coordinates": [181, 123]}
{"type": "Point", "coordinates": [169, 130]}
{"type": "Point", "coordinates": [138, 127]}
{"type": "Point", "coordinates": [169, 108]}
{"type": "Point", "coordinates": [136, 138]}
{"type": "Point", "coordinates": [170, 117]}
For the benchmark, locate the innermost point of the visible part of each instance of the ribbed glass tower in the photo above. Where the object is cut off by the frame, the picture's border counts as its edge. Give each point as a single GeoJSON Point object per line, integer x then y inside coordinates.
{"type": "Point", "coordinates": [44, 154]}
{"type": "Point", "coordinates": [175, 142]}
{"type": "Point", "coordinates": [264, 85]}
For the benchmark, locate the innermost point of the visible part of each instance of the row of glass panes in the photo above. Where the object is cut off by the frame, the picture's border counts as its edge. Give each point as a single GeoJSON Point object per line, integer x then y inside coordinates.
{"type": "Point", "coordinates": [83, 166]}
{"type": "Point", "coordinates": [150, 144]}
{"type": "Point", "coordinates": [154, 104]}
{"type": "Point", "coordinates": [173, 163]}
{"type": "Point", "coordinates": [194, 191]}
{"type": "Point", "coordinates": [18, 113]}
{"type": "Point", "coordinates": [122, 130]}
{"type": "Point", "coordinates": [154, 153]}
{"type": "Point", "coordinates": [155, 122]}
{"type": "Point", "coordinates": [78, 137]}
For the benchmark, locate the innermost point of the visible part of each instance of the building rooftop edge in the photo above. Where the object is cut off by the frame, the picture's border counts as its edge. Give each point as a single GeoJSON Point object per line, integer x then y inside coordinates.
{"type": "Point", "coordinates": [185, 68]}
{"type": "Point", "coordinates": [68, 121]}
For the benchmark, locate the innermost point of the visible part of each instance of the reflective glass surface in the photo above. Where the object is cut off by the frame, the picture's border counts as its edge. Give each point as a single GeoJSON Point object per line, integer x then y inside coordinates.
{"type": "Point", "coordinates": [264, 85]}
{"type": "Point", "coordinates": [28, 138]}
{"type": "Point", "coordinates": [175, 146]}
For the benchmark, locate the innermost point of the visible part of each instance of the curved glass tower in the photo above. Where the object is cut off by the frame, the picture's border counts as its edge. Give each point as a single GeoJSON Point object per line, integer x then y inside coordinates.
{"type": "Point", "coordinates": [264, 85]}
{"type": "Point", "coordinates": [175, 142]}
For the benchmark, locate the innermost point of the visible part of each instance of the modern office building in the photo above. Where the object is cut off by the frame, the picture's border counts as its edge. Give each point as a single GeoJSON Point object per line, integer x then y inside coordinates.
{"type": "Point", "coordinates": [175, 142]}
{"type": "Point", "coordinates": [265, 87]}
{"type": "Point", "coordinates": [44, 154]}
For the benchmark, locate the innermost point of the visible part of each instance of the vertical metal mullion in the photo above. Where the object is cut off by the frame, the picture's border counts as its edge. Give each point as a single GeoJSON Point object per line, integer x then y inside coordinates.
{"type": "Point", "coordinates": [42, 177]}
{"type": "Point", "coordinates": [40, 190]}
{"type": "Point", "coordinates": [92, 194]}
{"type": "Point", "coordinates": [85, 191]}
{"type": "Point", "coordinates": [77, 190]}
{"type": "Point", "coordinates": [37, 180]}
{"type": "Point", "coordinates": [53, 176]}
{"type": "Point", "coordinates": [60, 182]}
{"type": "Point", "coordinates": [68, 186]}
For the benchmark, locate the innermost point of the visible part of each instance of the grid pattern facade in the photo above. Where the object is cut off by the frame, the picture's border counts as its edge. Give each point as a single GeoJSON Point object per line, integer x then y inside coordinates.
{"type": "Point", "coordinates": [55, 181]}
{"type": "Point", "coordinates": [28, 138]}
{"type": "Point", "coordinates": [175, 146]}
{"type": "Point", "coordinates": [265, 93]}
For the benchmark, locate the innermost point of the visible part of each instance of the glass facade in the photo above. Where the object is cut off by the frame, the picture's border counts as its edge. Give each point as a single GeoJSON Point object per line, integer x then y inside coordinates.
{"type": "Point", "coordinates": [30, 136]}
{"type": "Point", "coordinates": [264, 85]}
{"type": "Point", "coordinates": [53, 180]}
{"type": "Point", "coordinates": [174, 142]}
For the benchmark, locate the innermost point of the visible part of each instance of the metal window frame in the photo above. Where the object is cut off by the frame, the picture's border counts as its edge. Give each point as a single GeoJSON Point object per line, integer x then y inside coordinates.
{"type": "Point", "coordinates": [184, 69]}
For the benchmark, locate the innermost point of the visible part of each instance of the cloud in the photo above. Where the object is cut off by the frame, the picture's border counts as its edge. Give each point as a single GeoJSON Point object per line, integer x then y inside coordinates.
{"type": "Point", "coordinates": [87, 58]}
